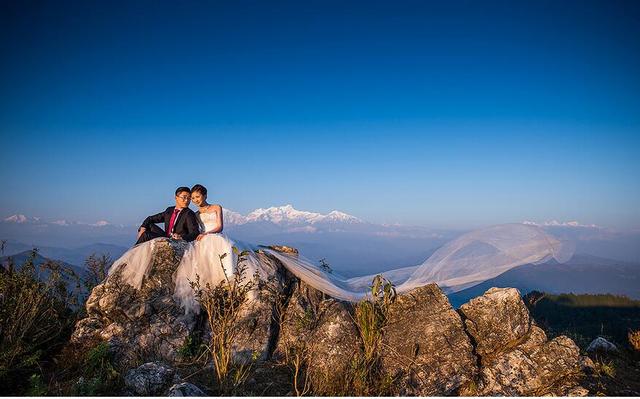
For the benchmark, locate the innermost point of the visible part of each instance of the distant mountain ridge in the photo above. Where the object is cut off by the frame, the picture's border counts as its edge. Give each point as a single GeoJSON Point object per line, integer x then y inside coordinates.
{"type": "Point", "coordinates": [72, 256]}
{"type": "Point", "coordinates": [287, 214]}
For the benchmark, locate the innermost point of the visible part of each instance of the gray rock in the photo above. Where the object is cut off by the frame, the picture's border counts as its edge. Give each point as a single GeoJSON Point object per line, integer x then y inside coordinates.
{"type": "Point", "coordinates": [602, 345]}
{"type": "Point", "coordinates": [320, 331]}
{"type": "Point", "coordinates": [497, 320]}
{"type": "Point", "coordinates": [140, 325]}
{"type": "Point", "coordinates": [258, 322]}
{"type": "Point", "coordinates": [150, 379]}
{"type": "Point", "coordinates": [425, 347]}
{"type": "Point", "coordinates": [185, 389]}
{"type": "Point", "coordinates": [516, 357]}
{"type": "Point", "coordinates": [549, 369]}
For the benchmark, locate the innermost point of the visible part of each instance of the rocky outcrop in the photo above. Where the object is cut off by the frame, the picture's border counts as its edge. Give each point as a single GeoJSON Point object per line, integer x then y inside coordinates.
{"type": "Point", "coordinates": [426, 349]}
{"type": "Point", "coordinates": [258, 326]}
{"type": "Point", "coordinates": [319, 332]}
{"type": "Point", "coordinates": [496, 320]}
{"type": "Point", "coordinates": [139, 325]}
{"type": "Point", "coordinates": [148, 325]}
{"type": "Point", "coordinates": [490, 346]}
{"type": "Point", "coordinates": [516, 359]}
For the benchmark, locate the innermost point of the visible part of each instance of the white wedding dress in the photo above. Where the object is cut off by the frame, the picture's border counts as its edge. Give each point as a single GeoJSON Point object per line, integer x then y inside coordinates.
{"type": "Point", "coordinates": [466, 261]}
{"type": "Point", "coordinates": [202, 259]}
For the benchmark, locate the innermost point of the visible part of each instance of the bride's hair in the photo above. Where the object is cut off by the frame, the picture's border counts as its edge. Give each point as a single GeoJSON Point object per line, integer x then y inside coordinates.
{"type": "Point", "coordinates": [199, 188]}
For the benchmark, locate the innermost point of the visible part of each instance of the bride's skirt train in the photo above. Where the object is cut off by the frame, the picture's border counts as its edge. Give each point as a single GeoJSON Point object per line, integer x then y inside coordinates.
{"type": "Point", "coordinates": [210, 260]}
{"type": "Point", "coordinates": [468, 260]}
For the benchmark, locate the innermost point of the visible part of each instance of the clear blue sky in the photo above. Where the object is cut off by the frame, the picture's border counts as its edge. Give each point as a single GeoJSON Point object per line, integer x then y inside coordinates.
{"type": "Point", "coordinates": [454, 113]}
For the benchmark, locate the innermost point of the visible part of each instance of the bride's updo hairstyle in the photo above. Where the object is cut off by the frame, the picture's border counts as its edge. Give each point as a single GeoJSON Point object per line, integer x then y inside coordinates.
{"type": "Point", "coordinates": [200, 189]}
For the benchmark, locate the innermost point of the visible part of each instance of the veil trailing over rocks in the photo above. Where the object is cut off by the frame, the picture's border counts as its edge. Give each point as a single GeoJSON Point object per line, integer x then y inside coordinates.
{"type": "Point", "coordinates": [468, 260]}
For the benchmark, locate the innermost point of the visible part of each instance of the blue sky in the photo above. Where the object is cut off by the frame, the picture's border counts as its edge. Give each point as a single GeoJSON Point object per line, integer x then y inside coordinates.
{"type": "Point", "coordinates": [455, 114]}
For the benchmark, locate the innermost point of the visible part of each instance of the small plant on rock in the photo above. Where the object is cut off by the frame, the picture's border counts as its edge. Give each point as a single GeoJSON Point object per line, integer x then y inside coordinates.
{"type": "Point", "coordinates": [222, 304]}
{"type": "Point", "coordinates": [605, 368]}
{"type": "Point", "coordinates": [371, 317]}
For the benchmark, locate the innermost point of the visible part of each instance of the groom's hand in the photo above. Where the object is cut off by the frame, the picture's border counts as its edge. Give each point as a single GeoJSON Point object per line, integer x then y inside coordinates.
{"type": "Point", "coordinates": [200, 237]}
{"type": "Point", "coordinates": [176, 236]}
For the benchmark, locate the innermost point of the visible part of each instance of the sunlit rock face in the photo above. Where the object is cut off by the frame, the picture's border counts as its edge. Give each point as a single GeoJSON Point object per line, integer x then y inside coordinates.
{"type": "Point", "coordinates": [429, 352]}
{"type": "Point", "coordinates": [515, 356]}
{"type": "Point", "coordinates": [322, 330]}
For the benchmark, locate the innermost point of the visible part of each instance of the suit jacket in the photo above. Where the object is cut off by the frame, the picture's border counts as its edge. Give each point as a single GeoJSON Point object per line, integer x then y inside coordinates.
{"type": "Point", "coordinates": [185, 224]}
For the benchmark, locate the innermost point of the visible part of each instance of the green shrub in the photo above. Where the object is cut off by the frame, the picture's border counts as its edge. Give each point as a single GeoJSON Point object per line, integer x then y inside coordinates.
{"type": "Point", "coordinates": [36, 386]}
{"type": "Point", "coordinates": [98, 375]}
{"type": "Point", "coordinates": [36, 317]}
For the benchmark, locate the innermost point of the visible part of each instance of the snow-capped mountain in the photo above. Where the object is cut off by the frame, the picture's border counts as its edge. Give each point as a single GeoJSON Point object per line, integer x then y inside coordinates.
{"type": "Point", "coordinates": [101, 223]}
{"type": "Point", "coordinates": [555, 223]}
{"type": "Point", "coordinates": [22, 219]}
{"type": "Point", "coordinates": [288, 215]}
{"type": "Point", "coordinates": [19, 218]}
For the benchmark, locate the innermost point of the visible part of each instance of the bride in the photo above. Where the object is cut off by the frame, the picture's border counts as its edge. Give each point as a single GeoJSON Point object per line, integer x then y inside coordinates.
{"type": "Point", "coordinates": [466, 261]}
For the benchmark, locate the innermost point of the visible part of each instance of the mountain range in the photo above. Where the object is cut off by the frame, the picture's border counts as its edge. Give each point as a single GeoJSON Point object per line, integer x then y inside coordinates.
{"type": "Point", "coordinates": [349, 244]}
{"type": "Point", "coordinates": [606, 260]}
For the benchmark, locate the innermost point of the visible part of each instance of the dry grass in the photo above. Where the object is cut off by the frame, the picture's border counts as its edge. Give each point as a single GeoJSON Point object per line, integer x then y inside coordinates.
{"type": "Point", "coordinates": [222, 304]}
{"type": "Point", "coordinates": [371, 316]}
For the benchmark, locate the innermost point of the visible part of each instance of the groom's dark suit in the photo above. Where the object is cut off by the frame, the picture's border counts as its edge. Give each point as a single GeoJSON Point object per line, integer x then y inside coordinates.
{"type": "Point", "coordinates": [185, 224]}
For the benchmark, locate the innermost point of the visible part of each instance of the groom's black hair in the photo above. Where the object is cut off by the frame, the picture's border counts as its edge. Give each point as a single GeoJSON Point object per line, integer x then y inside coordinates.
{"type": "Point", "coordinates": [199, 188]}
{"type": "Point", "coordinates": [182, 189]}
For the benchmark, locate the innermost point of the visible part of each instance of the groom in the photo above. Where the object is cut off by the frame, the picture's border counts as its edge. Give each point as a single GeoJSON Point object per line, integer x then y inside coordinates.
{"type": "Point", "coordinates": [179, 221]}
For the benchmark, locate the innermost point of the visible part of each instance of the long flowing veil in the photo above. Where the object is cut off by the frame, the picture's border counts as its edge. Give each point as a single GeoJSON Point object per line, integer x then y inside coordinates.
{"type": "Point", "coordinates": [468, 260]}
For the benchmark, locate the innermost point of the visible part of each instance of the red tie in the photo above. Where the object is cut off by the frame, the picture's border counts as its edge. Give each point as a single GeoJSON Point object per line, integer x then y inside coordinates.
{"type": "Point", "coordinates": [172, 221]}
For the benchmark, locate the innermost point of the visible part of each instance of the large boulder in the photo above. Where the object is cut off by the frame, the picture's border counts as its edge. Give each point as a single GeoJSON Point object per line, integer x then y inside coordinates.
{"type": "Point", "coordinates": [258, 323]}
{"type": "Point", "coordinates": [425, 348]}
{"type": "Point", "coordinates": [147, 324]}
{"type": "Point", "coordinates": [516, 357]}
{"type": "Point", "coordinates": [318, 333]}
{"type": "Point", "coordinates": [496, 321]}
{"type": "Point", "coordinates": [552, 368]}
